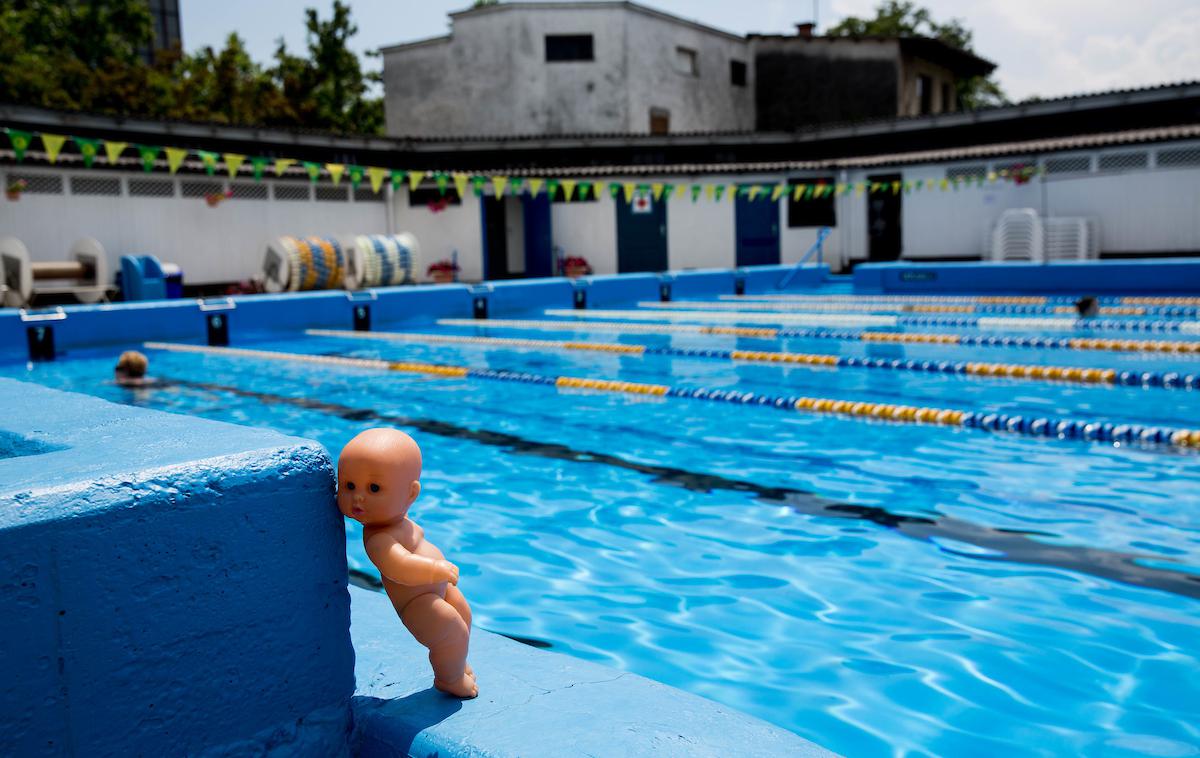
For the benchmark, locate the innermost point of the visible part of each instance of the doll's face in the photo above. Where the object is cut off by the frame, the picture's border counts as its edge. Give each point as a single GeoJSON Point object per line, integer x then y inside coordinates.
{"type": "Point", "coordinates": [374, 492]}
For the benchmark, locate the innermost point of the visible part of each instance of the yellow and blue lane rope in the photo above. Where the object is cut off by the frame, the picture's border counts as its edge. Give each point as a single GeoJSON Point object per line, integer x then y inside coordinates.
{"type": "Point", "coordinates": [1100, 376]}
{"type": "Point", "coordinates": [889, 307]}
{"type": "Point", "coordinates": [1035, 300]}
{"type": "Point", "coordinates": [1042, 426]}
{"type": "Point", "coordinates": [651, 313]}
{"type": "Point", "coordinates": [1184, 347]}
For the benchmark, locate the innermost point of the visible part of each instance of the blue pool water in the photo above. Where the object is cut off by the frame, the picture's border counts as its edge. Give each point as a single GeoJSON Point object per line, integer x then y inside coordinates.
{"type": "Point", "coordinates": [878, 588]}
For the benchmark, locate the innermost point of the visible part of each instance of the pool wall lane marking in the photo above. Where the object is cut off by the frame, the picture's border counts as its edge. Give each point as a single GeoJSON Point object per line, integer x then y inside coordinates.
{"type": "Point", "coordinates": [1005, 545]}
{"type": "Point", "coordinates": [1088, 430]}
{"type": "Point", "coordinates": [1072, 374]}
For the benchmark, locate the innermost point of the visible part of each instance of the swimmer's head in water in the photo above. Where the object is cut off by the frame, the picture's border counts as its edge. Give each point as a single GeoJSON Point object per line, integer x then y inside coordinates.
{"type": "Point", "coordinates": [379, 474]}
{"type": "Point", "coordinates": [132, 364]}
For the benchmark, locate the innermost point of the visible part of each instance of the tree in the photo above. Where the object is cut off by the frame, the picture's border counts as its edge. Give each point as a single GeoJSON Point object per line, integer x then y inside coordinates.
{"type": "Point", "coordinates": [85, 55]}
{"type": "Point", "coordinates": [900, 18]}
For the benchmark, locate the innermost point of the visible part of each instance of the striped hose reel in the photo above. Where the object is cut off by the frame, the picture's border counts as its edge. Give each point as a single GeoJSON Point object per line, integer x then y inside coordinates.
{"type": "Point", "coordinates": [1090, 430]}
{"type": "Point", "coordinates": [293, 264]}
{"type": "Point", "coordinates": [382, 260]}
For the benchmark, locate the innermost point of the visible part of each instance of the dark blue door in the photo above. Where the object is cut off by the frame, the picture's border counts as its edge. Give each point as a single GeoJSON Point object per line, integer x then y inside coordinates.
{"type": "Point", "coordinates": [757, 230]}
{"type": "Point", "coordinates": [539, 245]}
{"type": "Point", "coordinates": [641, 233]}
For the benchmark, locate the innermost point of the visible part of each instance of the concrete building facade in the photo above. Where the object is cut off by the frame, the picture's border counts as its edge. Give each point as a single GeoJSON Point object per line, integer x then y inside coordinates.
{"type": "Point", "coordinates": [568, 68]}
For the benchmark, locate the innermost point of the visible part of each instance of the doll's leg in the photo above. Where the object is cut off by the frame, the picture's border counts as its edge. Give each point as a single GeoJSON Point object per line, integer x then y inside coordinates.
{"type": "Point", "coordinates": [455, 598]}
{"type": "Point", "coordinates": [438, 626]}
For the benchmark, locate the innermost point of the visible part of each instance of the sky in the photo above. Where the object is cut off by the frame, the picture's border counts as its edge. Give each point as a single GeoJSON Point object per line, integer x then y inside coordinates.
{"type": "Point", "coordinates": [1045, 48]}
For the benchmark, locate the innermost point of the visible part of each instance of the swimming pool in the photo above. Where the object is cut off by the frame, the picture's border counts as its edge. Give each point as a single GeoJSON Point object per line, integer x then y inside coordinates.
{"type": "Point", "coordinates": [876, 587]}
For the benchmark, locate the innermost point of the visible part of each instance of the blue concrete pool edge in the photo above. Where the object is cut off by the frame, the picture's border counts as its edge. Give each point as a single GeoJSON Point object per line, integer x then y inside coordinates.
{"type": "Point", "coordinates": [172, 585]}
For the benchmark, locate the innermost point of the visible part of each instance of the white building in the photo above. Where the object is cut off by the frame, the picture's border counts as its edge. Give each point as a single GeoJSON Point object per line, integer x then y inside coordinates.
{"type": "Point", "coordinates": [564, 68]}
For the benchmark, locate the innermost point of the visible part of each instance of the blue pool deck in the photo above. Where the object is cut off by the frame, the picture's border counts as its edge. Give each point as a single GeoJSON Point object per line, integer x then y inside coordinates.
{"type": "Point", "coordinates": [176, 585]}
{"type": "Point", "coordinates": [172, 585]}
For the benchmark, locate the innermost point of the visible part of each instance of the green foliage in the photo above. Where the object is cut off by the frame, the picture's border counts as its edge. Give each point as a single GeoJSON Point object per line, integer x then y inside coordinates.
{"type": "Point", "coordinates": [85, 55]}
{"type": "Point", "coordinates": [900, 18]}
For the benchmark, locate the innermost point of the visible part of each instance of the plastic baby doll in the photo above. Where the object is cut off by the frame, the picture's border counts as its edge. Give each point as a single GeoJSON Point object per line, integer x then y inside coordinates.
{"type": "Point", "coordinates": [379, 474]}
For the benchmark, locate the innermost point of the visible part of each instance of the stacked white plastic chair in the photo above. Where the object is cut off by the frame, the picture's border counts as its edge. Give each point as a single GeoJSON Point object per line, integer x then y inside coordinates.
{"type": "Point", "coordinates": [1070, 238]}
{"type": "Point", "coordinates": [1018, 236]}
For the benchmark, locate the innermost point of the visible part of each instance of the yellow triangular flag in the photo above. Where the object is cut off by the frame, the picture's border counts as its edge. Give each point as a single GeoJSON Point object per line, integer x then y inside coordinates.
{"type": "Point", "coordinates": [53, 144]}
{"type": "Point", "coordinates": [460, 184]}
{"type": "Point", "coordinates": [841, 189]}
{"type": "Point", "coordinates": [930, 184]}
{"type": "Point", "coordinates": [629, 188]}
{"type": "Point", "coordinates": [376, 175]}
{"type": "Point", "coordinates": [283, 164]}
{"type": "Point", "coordinates": [233, 162]}
{"type": "Point", "coordinates": [777, 191]}
{"type": "Point", "coordinates": [535, 186]}
{"type": "Point", "coordinates": [568, 187]}
{"type": "Point", "coordinates": [656, 190]}
{"type": "Point", "coordinates": [991, 177]}
{"type": "Point", "coordinates": [113, 150]}
{"type": "Point", "coordinates": [499, 184]}
{"type": "Point", "coordinates": [754, 190]}
{"type": "Point", "coordinates": [175, 156]}
{"type": "Point", "coordinates": [710, 190]}
{"type": "Point", "coordinates": [335, 171]}
{"type": "Point", "coordinates": [797, 191]}
{"type": "Point", "coordinates": [945, 184]}
{"type": "Point", "coordinates": [414, 179]}
{"type": "Point", "coordinates": [860, 188]}
{"type": "Point", "coordinates": [732, 191]}
{"type": "Point", "coordinates": [680, 190]}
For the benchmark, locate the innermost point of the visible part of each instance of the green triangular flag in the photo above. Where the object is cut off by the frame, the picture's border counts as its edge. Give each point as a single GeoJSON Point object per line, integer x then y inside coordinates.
{"type": "Point", "coordinates": [260, 165]}
{"type": "Point", "coordinates": [442, 181]}
{"type": "Point", "coordinates": [477, 184]}
{"type": "Point", "coordinates": [149, 155]}
{"type": "Point", "coordinates": [88, 148]}
{"type": "Point", "coordinates": [314, 171]}
{"type": "Point", "coordinates": [20, 142]}
{"type": "Point", "coordinates": [356, 176]}
{"type": "Point", "coordinates": [719, 191]}
{"type": "Point", "coordinates": [209, 160]}
{"type": "Point", "coordinates": [614, 189]}
{"type": "Point", "coordinates": [397, 179]}
{"type": "Point", "coordinates": [696, 190]}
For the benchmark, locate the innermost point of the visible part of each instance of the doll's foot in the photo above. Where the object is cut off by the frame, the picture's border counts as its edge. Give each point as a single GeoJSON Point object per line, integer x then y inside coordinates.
{"type": "Point", "coordinates": [464, 688]}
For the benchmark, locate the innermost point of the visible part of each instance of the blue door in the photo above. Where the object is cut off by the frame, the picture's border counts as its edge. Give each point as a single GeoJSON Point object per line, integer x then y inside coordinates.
{"type": "Point", "coordinates": [757, 223]}
{"type": "Point", "coordinates": [539, 247]}
{"type": "Point", "coordinates": [641, 233]}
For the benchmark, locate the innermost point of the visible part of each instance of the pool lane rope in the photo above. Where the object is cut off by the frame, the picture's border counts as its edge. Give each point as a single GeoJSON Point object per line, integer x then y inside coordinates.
{"type": "Point", "coordinates": [1096, 376]}
{"type": "Point", "coordinates": [1093, 430]}
{"type": "Point", "coordinates": [1157, 301]}
{"type": "Point", "coordinates": [866, 320]}
{"type": "Point", "coordinates": [886, 307]}
{"type": "Point", "coordinates": [968, 340]}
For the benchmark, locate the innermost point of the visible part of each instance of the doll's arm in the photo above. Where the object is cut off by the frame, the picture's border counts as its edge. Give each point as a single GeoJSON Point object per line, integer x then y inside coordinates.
{"type": "Point", "coordinates": [403, 567]}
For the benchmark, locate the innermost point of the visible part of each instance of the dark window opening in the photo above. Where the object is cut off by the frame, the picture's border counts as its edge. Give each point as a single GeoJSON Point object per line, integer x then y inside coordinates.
{"type": "Point", "coordinates": [925, 94]}
{"type": "Point", "coordinates": [660, 121]}
{"type": "Point", "coordinates": [947, 99]}
{"type": "Point", "coordinates": [737, 73]}
{"type": "Point", "coordinates": [426, 195]}
{"type": "Point", "coordinates": [811, 210]}
{"type": "Point", "coordinates": [569, 47]}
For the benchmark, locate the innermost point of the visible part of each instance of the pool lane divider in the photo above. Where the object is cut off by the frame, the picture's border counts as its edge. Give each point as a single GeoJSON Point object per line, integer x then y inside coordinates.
{"type": "Point", "coordinates": [1088, 430]}
{"type": "Point", "coordinates": [1099, 376]}
{"type": "Point", "coordinates": [886, 307]}
{"type": "Point", "coordinates": [1061, 300]}
{"type": "Point", "coordinates": [651, 310]}
{"type": "Point", "coordinates": [967, 340]}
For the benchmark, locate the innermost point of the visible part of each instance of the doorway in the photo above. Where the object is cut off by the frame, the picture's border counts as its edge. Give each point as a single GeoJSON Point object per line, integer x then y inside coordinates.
{"type": "Point", "coordinates": [641, 233]}
{"type": "Point", "coordinates": [883, 219]}
{"type": "Point", "coordinates": [516, 237]}
{"type": "Point", "coordinates": [757, 223]}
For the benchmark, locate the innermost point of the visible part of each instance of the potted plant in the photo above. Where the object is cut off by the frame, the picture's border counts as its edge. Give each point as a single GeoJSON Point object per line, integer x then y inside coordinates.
{"type": "Point", "coordinates": [216, 198]}
{"type": "Point", "coordinates": [442, 272]}
{"type": "Point", "coordinates": [576, 266]}
{"type": "Point", "coordinates": [15, 188]}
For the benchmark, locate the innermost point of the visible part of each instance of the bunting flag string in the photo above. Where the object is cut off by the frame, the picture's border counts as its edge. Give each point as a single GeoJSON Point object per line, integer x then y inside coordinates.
{"type": "Point", "coordinates": [571, 189]}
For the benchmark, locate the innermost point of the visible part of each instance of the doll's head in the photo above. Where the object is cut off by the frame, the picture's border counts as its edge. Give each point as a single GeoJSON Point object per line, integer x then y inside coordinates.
{"type": "Point", "coordinates": [379, 474]}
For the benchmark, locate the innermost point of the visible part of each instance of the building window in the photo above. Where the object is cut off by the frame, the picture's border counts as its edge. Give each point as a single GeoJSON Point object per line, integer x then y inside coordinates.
{"type": "Point", "coordinates": [810, 210]}
{"type": "Point", "coordinates": [947, 99]}
{"type": "Point", "coordinates": [427, 195]}
{"type": "Point", "coordinates": [660, 121]}
{"type": "Point", "coordinates": [685, 61]}
{"type": "Point", "coordinates": [925, 94]}
{"type": "Point", "coordinates": [737, 73]}
{"type": "Point", "coordinates": [568, 47]}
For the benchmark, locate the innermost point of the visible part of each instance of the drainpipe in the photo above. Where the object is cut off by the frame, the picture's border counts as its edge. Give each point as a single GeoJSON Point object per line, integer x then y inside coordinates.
{"type": "Point", "coordinates": [844, 237]}
{"type": "Point", "coordinates": [390, 208]}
